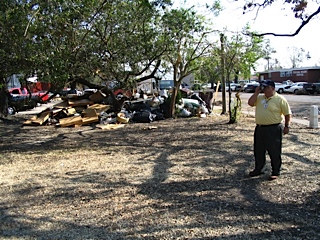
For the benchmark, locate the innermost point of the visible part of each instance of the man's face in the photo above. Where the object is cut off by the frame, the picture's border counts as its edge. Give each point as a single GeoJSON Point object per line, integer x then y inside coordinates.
{"type": "Point", "coordinates": [268, 89]}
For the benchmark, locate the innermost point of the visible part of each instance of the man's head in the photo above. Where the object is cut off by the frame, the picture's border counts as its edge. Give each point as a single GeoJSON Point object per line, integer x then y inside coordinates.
{"type": "Point", "coordinates": [267, 86]}
{"type": "Point", "coordinates": [267, 83]}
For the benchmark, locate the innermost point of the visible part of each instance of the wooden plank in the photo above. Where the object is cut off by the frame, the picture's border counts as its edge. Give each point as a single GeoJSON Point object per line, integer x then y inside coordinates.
{"type": "Point", "coordinates": [99, 107]}
{"type": "Point", "coordinates": [79, 102]}
{"type": "Point", "coordinates": [90, 112]}
{"type": "Point", "coordinates": [44, 116]}
{"type": "Point", "coordinates": [71, 111]}
{"type": "Point", "coordinates": [61, 105]}
{"type": "Point", "coordinates": [74, 120]}
{"type": "Point", "coordinates": [109, 126]}
{"type": "Point", "coordinates": [90, 116]}
{"type": "Point", "coordinates": [56, 111]}
{"type": "Point", "coordinates": [89, 120]}
{"type": "Point", "coordinates": [29, 121]}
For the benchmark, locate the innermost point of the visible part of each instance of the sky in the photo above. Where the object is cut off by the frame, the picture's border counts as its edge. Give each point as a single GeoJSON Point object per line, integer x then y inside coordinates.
{"type": "Point", "coordinates": [272, 19]}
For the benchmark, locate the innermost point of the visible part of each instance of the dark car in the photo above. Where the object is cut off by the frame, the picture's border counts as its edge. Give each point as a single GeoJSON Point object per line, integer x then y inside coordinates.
{"type": "Point", "coordinates": [235, 87]}
{"type": "Point", "coordinates": [250, 87]}
{"type": "Point", "coordinates": [317, 87]}
{"type": "Point", "coordinates": [21, 103]}
{"type": "Point", "coordinates": [309, 88]}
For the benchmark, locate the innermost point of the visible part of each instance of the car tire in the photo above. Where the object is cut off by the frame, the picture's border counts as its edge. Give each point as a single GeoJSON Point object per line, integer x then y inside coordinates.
{"type": "Point", "coordinates": [11, 110]}
{"type": "Point", "coordinates": [296, 91]}
{"type": "Point", "coordinates": [280, 90]}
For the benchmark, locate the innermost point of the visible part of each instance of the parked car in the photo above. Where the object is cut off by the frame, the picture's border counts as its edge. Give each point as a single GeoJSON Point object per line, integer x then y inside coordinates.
{"type": "Point", "coordinates": [39, 96]}
{"type": "Point", "coordinates": [294, 88]}
{"type": "Point", "coordinates": [233, 86]}
{"type": "Point", "coordinates": [250, 87]}
{"type": "Point", "coordinates": [66, 91]}
{"type": "Point", "coordinates": [279, 87]}
{"type": "Point", "coordinates": [317, 86]}
{"type": "Point", "coordinates": [309, 88]}
{"type": "Point", "coordinates": [21, 103]}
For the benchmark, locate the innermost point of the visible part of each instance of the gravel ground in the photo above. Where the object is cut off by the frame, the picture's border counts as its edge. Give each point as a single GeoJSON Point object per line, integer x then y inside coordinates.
{"type": "Point", "coordinates": [172, 179]}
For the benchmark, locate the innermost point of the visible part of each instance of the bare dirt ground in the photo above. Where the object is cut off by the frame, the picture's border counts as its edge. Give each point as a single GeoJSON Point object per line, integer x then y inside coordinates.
{"type": "Point", "coordinates": [185, 179]}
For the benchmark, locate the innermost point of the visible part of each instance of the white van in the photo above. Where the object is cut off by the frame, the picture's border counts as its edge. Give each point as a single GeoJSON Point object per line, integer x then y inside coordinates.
{"type": "Point", "coordinates": [148, 86]}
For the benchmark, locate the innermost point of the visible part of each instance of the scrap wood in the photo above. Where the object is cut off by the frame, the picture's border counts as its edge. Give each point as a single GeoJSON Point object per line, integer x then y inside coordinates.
{"type": "Point", "coordinates": [150, 128]}
{"type": "Point", "coordinates": [42, 118]}
{"type": "Point", "coordinates": [90, 116]}
{"type": "Point", "coordinates": [69, 121]}
{"type": "Point", "coordinates": [90, 112]}
{"type": "Point", "coordinates": [97, 96]}
{"type": "Point", "coordinates": [29, 121]}
{"type": "Point", "coordinates": [89, 120]}
{"type": "Point", "coordinates": [70, 111]}
{"type": "Point", "coordinates": [109, 126]}
{"type": "Point", "coordinates": [38, 120]}
{"type": "Point", "coordinates": [56, 111]}
{"type": "Point", "coordinates": [99, 107]}
{"type": "Point", "coordinates": [63, 104]}
{"type": "Point", "coordinates": [79, 102]}
{"type": "Point", "coordinates": [80, 109]}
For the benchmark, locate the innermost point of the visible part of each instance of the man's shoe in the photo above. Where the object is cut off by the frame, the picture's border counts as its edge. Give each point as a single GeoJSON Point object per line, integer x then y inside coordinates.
{"type": "Point", "coordinates": [273, 177]}
{"type": "Point", "coordinates": [255, 173]}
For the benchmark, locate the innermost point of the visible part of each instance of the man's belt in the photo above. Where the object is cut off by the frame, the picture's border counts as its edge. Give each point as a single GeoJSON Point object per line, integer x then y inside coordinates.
{"type": "Point", "coordinates": [269, 125]}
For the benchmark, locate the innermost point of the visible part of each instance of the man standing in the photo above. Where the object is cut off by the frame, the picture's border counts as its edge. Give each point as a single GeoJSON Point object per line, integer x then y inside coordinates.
{"type": "Point", "coordinates": [270, 107]}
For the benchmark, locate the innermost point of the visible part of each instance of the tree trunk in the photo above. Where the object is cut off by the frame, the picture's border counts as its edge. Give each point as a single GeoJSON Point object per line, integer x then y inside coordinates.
{"type": "Point", "coordinates": [235, 110]}
{"type": "Point", "coordinates": [3, 100]}
{"type": "Point", "coordinates": [223, 80]}
{"type": "Point", "coordinates": [174, 95]}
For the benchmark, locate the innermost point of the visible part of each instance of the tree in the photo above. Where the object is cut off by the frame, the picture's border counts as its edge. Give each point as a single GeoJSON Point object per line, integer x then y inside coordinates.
{"type": "Point", "coordinates": [267, 52]}
{"type": "Point", "coordinates": [297, 56]}
{"type": "Point", "coordinates": [239, 55]}
{"type": "Point", "coordinates": [15, 47]}
{"type": "Point", "coordinates": [130, 47]}
{"type": "Point", "coordinates": [81, 40]}
{"type": "Point", "coordinates": [188, 43]}
{"type": "Point", "coordinates": [210, 69]}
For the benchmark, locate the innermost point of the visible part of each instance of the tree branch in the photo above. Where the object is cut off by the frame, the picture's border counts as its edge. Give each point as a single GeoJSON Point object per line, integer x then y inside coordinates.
{"type": "Point", "coordinates": [288, 35]}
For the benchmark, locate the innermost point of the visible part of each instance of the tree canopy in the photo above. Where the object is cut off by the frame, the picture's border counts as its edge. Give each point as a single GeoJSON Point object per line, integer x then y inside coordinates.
{"type": "Point", "coordinates": [95, 42]}
{"type": "Point", "coordinates": [62, 40]}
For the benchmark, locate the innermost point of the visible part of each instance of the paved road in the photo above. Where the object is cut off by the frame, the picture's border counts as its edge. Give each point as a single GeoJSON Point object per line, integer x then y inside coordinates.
{"type": "Point", "coordinates": [294, 99]}
{"type": "Point", "coordinates": [300, 105]}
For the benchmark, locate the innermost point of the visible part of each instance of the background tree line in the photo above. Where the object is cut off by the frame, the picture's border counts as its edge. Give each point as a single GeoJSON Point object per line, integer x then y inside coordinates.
{"type": "Point", "coordinates": [94, 42]}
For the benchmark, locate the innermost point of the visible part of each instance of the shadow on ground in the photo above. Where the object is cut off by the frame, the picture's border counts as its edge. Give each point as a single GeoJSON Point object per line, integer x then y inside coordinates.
{"type": "Point", "coordinates": [197, 187]}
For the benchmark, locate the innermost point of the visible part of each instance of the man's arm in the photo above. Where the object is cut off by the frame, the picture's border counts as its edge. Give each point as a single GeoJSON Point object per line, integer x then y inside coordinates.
{"type": "Point", "coordinates": [287, 119]}
{"type": "Point", "coordinates": [254, 96]}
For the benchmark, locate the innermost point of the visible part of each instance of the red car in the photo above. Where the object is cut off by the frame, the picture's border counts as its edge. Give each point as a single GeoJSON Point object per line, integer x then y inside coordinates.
{"type": "Point", "coordinates": [24, 92]}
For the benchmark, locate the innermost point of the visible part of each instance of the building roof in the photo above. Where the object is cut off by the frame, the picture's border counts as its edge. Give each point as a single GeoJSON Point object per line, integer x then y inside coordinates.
{"type": "Point", "coordinates": [291, 69]}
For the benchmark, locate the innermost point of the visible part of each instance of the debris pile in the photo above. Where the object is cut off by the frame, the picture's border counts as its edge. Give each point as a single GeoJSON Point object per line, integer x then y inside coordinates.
{"type": "Point", "coordinates": [109, 113]}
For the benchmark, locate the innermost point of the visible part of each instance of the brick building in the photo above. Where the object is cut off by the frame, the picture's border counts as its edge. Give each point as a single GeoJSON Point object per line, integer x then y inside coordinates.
{"type": "Point", "coordinates": [304, 74]}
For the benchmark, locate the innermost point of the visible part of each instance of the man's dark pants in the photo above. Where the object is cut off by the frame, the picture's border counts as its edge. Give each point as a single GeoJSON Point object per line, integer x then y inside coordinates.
{"type": "Point", "coordinates": [268, 139]}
